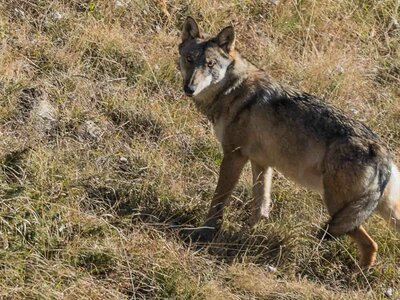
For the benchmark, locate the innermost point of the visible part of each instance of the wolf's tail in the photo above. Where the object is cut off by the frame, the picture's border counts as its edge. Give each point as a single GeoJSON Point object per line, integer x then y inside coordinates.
{"type": "Point", "coordinates": [357, 212]}
{"type": "Point", "coordinates": [389, 207]}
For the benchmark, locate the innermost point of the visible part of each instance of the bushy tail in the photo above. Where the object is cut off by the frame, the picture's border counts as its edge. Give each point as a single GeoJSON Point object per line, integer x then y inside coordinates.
{"type": "Point", "coordinates": [389, 207]}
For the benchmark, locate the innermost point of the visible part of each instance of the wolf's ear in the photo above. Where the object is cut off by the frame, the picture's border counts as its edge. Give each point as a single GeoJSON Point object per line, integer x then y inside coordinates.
{"type": "Point", "coordinates": [190, 29]}
{"type": "Point", "coordinates": [226, 39]}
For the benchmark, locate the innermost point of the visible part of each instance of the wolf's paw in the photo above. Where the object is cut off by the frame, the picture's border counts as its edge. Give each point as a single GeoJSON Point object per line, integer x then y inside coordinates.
{"type": "Point", "coordinates": [368, 256]}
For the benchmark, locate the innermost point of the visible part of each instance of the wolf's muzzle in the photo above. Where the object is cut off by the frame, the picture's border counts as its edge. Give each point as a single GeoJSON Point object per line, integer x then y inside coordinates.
{"type": "Point", "coordinates": [189, 89]}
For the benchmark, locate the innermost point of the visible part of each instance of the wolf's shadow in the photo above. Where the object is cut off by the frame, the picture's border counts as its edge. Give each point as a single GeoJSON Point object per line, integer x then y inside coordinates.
{"type": "Point", "coordinates": [230, 245]}
{"type": "Point", "coordinates": [272, 245]}
{"type": "Point", "coordinates": [177, 222]}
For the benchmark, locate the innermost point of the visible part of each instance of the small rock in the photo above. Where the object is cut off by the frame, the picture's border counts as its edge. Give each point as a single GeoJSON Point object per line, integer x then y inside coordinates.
{"type": "Point", "coordinates": [354, 111]}
{"type": "Point", "coordinates": [271, 269]}
{"type": "Point", "coordinates": [32, 41]}
{"type": "Point", "coordinates": [395, 24]}
{"type": "Point", "coordinates": [19, 13]}
{"type": "Point", "coordinates": [89, 131]}
{"type": "Point", "coordinates": [93, 130]}
{"type": "Point", "coordinates": [339, 69]}
{"type": "Point", "coordinates": [389, 292]}
{"type": "Point", "coordinates": [44, 116]}
{"type": "Point", "coordinates": [56, 15]}
{"type": "Point", "coordinates": [62, 227]}
{"type": "Point", "coordinates": [124, 165]}
{"type": "Point", "coordinates": [119, 3]}
{"type": "Point", "coordinates": [46, 111]}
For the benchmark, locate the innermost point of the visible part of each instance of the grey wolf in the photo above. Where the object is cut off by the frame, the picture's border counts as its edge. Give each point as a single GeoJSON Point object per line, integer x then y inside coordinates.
{"type": "Point", "coordinates": [308, 140]}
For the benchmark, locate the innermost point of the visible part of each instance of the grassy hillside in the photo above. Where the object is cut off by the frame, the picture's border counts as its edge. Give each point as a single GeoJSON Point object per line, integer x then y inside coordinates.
{"type": "Point", "coordinates": [104, 162]}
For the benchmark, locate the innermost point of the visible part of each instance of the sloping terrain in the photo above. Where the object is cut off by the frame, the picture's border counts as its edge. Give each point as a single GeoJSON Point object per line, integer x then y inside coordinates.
{"type": "Point", "coordinates": [104, 162]}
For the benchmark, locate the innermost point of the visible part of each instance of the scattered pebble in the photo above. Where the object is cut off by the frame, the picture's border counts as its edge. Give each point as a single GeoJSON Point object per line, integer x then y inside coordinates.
{"type": "Point", "coordinates": [395, 24]}
{"type": "Point", "coordinates": [19, 13]}
{"type": "Point", "coordinates": [389, 292]}
{"type": "Point", "coordinates": [46, 111]}
{"type": "Point", "coordinates": [56, 15]}
{"type": "Point", "coordinates": [123, 159]}
{"type": "Point", "coordinates": [92, 130]}
{"type": "Point", "coordinates": [354, 111]}
{"type": "Point", "coordinates": [339, 69]}
{"type": "Point", "coordinates": [119, 3]}
{"type": "Point", "coordinates": [32, 40]}
{"type": "Point", "coordinates": [44, 116]}
{"type": "Point", "coordinates": [271, 269]}
{"type": "Point", "coordinates": [62, 227]}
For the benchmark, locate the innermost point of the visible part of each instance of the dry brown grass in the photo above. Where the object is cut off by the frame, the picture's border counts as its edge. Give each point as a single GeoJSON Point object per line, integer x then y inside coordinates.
{"type": "Point", "coordinates": [94, 193]}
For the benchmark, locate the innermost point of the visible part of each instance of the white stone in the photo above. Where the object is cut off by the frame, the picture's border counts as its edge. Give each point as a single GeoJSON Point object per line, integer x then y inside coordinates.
{"type": "Point", "coordinates": [56, 15]}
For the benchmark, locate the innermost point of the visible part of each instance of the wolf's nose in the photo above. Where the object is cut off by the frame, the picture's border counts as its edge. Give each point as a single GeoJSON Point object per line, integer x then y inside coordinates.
{"type": "Point", "coordinates": [189, 89]}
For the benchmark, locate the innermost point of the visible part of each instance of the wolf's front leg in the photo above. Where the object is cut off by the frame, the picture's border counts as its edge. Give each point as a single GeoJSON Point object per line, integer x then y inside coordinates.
{"type": "Point", "coordinates": [262, 181]}
{"type": "Point", "coordinates": [230, 169]}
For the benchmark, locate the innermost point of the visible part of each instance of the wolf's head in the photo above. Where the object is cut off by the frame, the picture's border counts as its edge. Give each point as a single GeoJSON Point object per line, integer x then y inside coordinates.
{"type": "Point", "coordinates": [204, 61]}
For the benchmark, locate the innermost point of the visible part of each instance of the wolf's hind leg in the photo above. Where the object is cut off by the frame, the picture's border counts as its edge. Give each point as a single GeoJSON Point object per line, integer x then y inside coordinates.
{"type": "Point", "coordinates": [260, 205]}
{"type": "Point", "coordinates": [366, 245]}
{"type": "Point", "coordinates": [354, 178]}
{"type": "Point", "coordinates": [348, 211]}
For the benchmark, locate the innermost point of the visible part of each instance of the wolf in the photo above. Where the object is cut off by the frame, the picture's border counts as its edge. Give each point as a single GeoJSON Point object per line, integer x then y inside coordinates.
{"type": "Point", "coordinates": [276, 127]}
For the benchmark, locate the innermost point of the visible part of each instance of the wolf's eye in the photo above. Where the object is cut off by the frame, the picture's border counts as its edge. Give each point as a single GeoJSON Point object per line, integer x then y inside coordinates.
{"type": "Point", "coordinates": [211, 64]}
{"type": "Point", "coordinates": [189, 59]}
